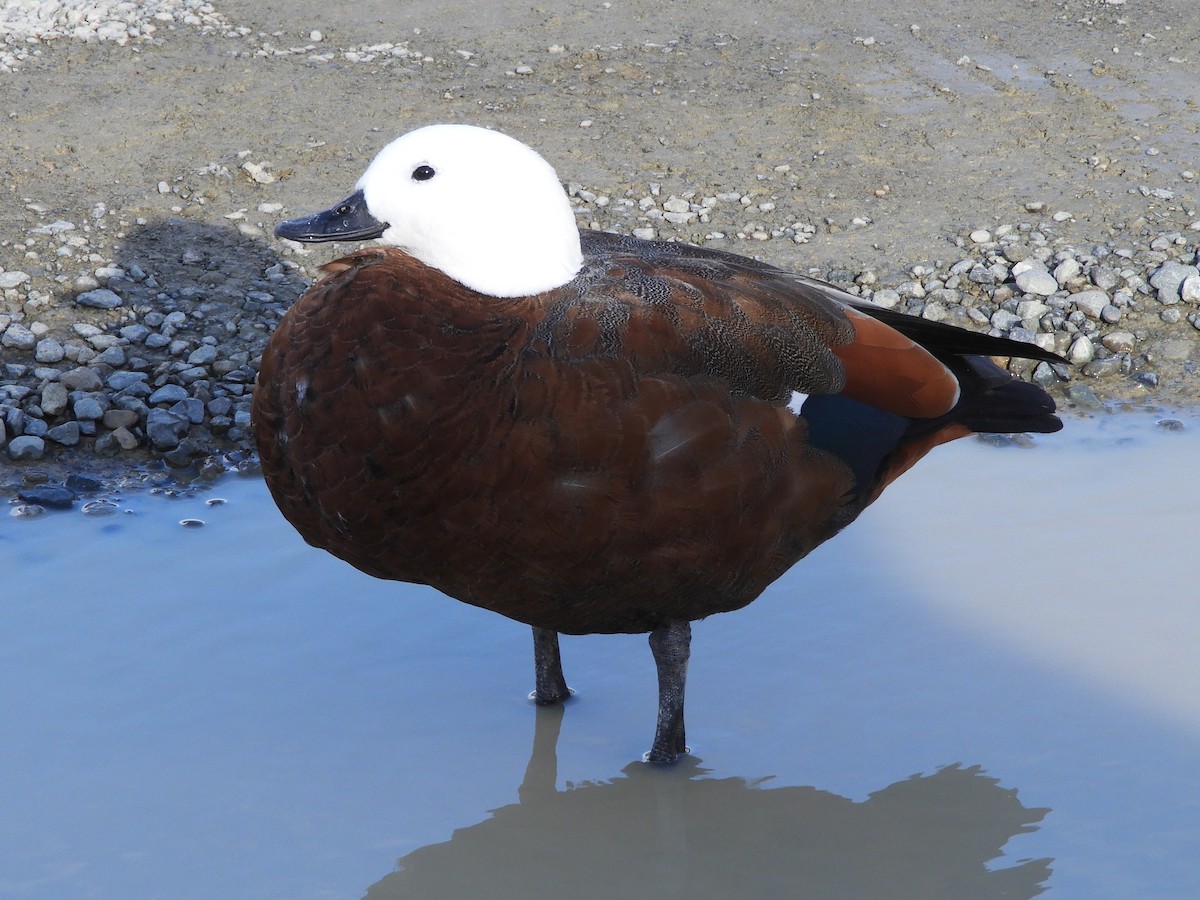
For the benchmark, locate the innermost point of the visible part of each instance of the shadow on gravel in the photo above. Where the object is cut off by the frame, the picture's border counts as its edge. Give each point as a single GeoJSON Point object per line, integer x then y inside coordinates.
{"type": "Point", "coordinates": [170, 381]}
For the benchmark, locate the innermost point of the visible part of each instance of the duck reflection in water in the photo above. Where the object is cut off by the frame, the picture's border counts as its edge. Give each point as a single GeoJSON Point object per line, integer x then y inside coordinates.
{"type": "Point", "coordinates": [674, 832]}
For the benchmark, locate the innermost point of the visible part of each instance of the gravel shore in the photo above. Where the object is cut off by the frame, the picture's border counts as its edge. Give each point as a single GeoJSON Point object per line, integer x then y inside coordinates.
{"type": "Point", "coordinates": [154, 146]}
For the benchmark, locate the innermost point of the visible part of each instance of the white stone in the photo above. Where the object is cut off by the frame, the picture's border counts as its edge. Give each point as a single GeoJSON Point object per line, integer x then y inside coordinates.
{"type": "Point", "coordinates": [1004, 320]}
{"type": "Point", "coordinates": [1189, 290]}
{"type": "Point", "coordinates": [981, 236]}
{"type": "Point", "coordinates": [1032, 309]}
{"type": "Point", "coordinates": [1082, 351]}
{"type": "Point", "coordinates": [1092, 303]}
{"type": "Point", "coordinates": [1066, 270]}
{"type": "Point", "coordinates": [1035, 280]}
{"type": "Point", "coordinates": [9, 280]}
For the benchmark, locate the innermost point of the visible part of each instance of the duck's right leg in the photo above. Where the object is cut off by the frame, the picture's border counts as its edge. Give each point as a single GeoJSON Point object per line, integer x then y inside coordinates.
{"type": "Point", "coordinates": [551, 686]}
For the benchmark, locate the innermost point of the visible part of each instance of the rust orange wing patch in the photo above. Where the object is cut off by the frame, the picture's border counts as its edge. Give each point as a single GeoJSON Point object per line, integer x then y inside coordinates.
{"type": "Point", "coordinates": [890, 371]}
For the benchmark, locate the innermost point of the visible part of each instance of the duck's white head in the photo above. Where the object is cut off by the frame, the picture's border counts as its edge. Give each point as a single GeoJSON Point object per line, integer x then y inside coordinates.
{"type": "Point", "coordinates": [480, 206]}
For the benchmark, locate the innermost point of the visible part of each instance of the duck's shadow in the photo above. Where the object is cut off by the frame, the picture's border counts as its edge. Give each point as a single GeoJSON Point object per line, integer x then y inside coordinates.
{"type": "Point", "coordinates": [674, 833]}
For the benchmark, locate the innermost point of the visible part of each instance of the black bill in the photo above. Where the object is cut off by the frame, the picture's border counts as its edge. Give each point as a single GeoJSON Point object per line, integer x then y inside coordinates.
{"type": "Point", "coordinates": [348, 221]}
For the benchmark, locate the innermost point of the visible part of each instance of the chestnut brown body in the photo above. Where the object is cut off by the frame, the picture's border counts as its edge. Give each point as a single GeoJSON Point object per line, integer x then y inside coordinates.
{"type": "Point", "coordinates": [615, 454]}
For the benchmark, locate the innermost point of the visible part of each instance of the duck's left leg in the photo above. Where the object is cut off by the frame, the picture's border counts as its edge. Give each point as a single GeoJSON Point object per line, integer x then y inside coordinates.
{"type": "Point", "coordinates": [550, 685]}
{"type": "Point", "coordinates": [671, 645]}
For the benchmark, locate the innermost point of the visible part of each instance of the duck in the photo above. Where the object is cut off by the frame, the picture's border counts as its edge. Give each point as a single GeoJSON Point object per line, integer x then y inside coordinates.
{"type": "Point", "coordinates": [588, 432]}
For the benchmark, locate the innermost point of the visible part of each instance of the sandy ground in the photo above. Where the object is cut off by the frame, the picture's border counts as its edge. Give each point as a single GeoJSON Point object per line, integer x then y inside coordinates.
{"type": "Point", "coordinates": [922, 121]}
{"type": "Point", "coordinates": [708, 94]}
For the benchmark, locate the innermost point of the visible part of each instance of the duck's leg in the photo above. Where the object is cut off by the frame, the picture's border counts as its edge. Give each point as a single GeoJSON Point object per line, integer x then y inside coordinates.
{"type": "Point", "coordinates": [671, 646]}
{"type": "Point", "coordinates": [550, 687]}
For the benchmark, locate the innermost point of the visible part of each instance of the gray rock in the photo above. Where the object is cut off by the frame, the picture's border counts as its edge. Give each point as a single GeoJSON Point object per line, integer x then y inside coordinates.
{"type": "Point", "coordinates": [119, 381]}
{"type": "Point", "coordinates": [112, 356]}
{"type": "Point", "coordinates": [1091, 302]}
{"type": "Point", "coordinates": [54, 398]}
{"type": "Point", "coordinates": [1032, 309]}
{"type": "Point", "coordinates": [81, 379]}
{"type": "Point", "coordinates": [1005, 320]}
{"type": "Point", "coordinates": [16, 418]}
{"type": "Point", "coordinates": [1104, 278]}
{"type": "Point", "coordinates": [51, 496]}
{"type": "Point", "coordinates": [135, 334]}
{"type": "Point", "coordinates": [1169, 278]}
{"type": "Point", "coordinates": [1099, 368]}
{"type": "Point", "coordinates": [87, 408]}
{"type": "Point", "coordinates": [220, 406]}
{"type": "Point", "coordinates": [1084, 397]}
{"type": "Point", "coordinates": [203, 355]}
{"type": "Point", "coordinates": [101, 298]}
{"type": "Point", "coordinates": [1044, 374]}
{"type": "Point", "coordinates": [120, 418]}
{"type": "Point", "coordinates": [169, 393]}
{"type": "Point", "coordinates": [190, 409]}
{"type": "Point", "coordinates": [165, 429]}
{"type": "Point", "coordinates": [1034, 280]}
{"type": "Point", "coordinates": [26, 448]}
{"type": "Point", "coordinates": [82, 484]}
{"type": "Point", "coordinates": [1119, 341]}
{"type": "Point", "coordinates": [125, 438]}
{"type": "Point", "coordinates": [66, 434]}
{"type": "Point", "coordinates": [36, 427]}
{"type": "Point", "coordinates": [1066, 270]}
{"type": "Point", "coordinates": [18, 337]}
{"type": "Point", "coordinates": [9, 280]}
{"type": "Point", "coordinates": [49, 351]}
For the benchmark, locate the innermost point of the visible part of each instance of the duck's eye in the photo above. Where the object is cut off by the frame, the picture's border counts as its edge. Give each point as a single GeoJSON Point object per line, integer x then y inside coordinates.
{"type": "Point", "coordinates": [422, 173]}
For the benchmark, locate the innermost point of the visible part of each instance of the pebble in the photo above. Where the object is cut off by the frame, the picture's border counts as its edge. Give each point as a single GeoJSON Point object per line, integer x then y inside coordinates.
{"type": "Point", "coordinates": [165, 429]}
{"type": "Point", "coordinates": [81, 378]}
{"type": "Point", "coordinates": [1091, 302]}
{"type": "Point", "coordinates": [49, 351]}
{"type": "Point", "coordinates": [87, 408]}
{"type": "Point", "coordinates": [1035, 280]}
{"type": "Point", "coordinates": [66, 434]}
{"type": "Point", "coordinates": [101, 298]}
{"type": "Point", "coordinates": [1082, 351]}
{"type": "Point", "coordinates": [26, 448]}
{"type": "Point", "coordinates": [10, 280]}
{"type": "Point", "coordinates": [169, 393]}
{"type": "Point", "coordinates": [1119, 341]}
{"type": "Point", "coordinates": [54, 398]}
{"type": "Point", "coordinates": [18, 337]}
{"type": "Point", "coordinates": [1189, 289]}
{"type": "Point", "coordinates": [1169, 279]}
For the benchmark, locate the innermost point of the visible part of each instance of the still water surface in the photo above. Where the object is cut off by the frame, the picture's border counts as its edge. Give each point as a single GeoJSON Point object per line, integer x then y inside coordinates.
{"type": "Point", "coordinates": [986, 687]}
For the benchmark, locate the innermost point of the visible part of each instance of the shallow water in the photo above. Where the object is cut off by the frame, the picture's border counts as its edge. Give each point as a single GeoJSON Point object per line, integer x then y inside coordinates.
{"type": "Point", "coordinates": [985, 687]}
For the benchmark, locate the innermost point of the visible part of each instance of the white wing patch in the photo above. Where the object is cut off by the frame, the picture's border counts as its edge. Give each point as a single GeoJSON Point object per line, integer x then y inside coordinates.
{"type": "Point", "coordinates": [797, 402]}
